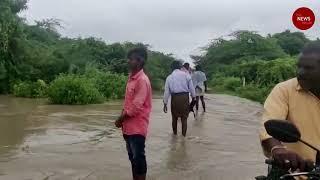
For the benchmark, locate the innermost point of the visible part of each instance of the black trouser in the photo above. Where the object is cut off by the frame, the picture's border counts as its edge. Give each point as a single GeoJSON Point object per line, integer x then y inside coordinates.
{"type": "Point", "coordinates": [135, 147]}
{"type": "Point", "coordinates": [180, 109]}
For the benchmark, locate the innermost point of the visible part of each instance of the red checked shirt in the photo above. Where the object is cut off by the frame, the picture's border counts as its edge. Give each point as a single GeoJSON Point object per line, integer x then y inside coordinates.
{"type": "Point", "coordinates": [137, 105]}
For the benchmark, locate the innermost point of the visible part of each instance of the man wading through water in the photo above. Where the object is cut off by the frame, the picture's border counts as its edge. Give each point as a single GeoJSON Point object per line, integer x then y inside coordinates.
{"type": "Point", "coordinates": [178, 86]}
{"type": "Point", "coordinates": [200, 83]}
{"type": "Point", "coordinates": [135, 115]}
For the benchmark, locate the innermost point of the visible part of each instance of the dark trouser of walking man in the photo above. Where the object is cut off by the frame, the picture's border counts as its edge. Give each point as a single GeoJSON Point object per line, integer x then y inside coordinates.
{"type": "Point", "coordinates": [200, 96]}
{"type": "Point", "coordinates": [180, 109]}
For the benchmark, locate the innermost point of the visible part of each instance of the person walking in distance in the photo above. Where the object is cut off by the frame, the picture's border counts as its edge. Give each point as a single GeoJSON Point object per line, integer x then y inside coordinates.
{"type": "Point", "coordinates": [178, 85]}
{"type": "Point", "coordinates": [186, 68]}
{"type": "Point", "coordinates": [200, 83]}
{"type": "Point", "coordinates": [135, 115]}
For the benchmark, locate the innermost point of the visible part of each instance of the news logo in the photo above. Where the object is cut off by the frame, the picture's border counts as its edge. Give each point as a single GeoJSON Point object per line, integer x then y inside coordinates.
{"type": "Point", "coordinates": [303, 18]}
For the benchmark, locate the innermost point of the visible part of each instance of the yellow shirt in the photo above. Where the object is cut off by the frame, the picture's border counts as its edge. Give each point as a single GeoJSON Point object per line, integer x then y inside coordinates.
{"type": "Point", "coordinates": [288, 101]}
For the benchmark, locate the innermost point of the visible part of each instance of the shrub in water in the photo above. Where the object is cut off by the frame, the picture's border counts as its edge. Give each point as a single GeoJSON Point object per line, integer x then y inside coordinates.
{"type": "Point", "coordinates": [74, 89]}
{"type": "Point", "coordinates": [40, 89]}
{"type": "Point", "coordinates": [30, 89]}
{"type": "Point", "coordinates": [22, 89]}
{"type": "Point", "coordinates": [111, 86]}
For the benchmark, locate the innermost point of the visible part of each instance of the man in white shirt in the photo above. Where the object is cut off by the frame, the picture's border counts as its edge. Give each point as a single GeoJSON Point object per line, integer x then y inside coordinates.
{"type": "Point", "coordinates": [178, 86]}
{"type": "Point", "coordinates": [199, 80]}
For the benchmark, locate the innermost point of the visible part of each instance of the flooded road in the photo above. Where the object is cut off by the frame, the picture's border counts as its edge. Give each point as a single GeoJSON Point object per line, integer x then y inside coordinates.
{"type": "Point", "coordinates": [54, 142]}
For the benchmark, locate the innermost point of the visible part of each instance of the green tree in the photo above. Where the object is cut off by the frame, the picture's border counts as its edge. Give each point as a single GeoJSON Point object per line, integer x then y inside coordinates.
{"type": "Point", "coordinates": [243, 46]}
{"type": "Point", "coordinates": [249, 65]}
{"type": "Point", "coordinates": [10, 32]}
{"type": "Point", "coordinates": [291, 42]}
{"type": "Point", "coordinates": [158, 68]}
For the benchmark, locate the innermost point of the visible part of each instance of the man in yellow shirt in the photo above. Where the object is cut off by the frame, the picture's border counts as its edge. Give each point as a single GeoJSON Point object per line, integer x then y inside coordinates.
{"type": "Point", "coordinates": [298, 101]}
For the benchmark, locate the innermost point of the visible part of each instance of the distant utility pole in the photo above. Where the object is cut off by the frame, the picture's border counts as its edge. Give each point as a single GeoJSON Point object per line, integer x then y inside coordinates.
{"type": "Point", "coordinates": [244, 81]}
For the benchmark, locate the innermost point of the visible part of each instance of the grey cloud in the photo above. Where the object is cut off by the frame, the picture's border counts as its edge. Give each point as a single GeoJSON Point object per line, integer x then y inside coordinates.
{"type": "Point", "coordinates": [172, 26]}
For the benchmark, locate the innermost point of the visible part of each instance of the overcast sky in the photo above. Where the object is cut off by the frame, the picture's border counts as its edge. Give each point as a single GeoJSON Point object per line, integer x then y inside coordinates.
{"type": "Point", "coordinates": [180, 27]}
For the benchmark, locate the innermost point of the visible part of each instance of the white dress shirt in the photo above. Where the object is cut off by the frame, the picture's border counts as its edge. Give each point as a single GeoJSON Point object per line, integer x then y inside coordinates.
{"type": "Point", "coordinates": [178, 82]}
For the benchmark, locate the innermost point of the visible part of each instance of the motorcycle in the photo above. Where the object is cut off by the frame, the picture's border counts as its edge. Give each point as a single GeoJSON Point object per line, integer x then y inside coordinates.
{"type": "Point", "coordinates": [287, 132]}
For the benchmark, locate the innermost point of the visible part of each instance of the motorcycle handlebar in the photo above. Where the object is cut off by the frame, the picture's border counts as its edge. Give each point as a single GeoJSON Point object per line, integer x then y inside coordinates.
{"type": "Point", "coordinates": [273, 163]}
{"type": "Point", "coordinates": [270, 162]}
{"type": "Point", "coordinates": [312, 174]}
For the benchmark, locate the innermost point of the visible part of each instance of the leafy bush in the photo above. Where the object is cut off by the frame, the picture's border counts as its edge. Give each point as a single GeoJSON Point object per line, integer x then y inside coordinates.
{"type": "Point", "coordinates": [231, 83]}
{"type": "Point", "coordinates": [221, 84]}
{"type": "Point", "coordinates": [74, 89]}
{"type": "Point", "coordinates": [93, 86]}
{"type": "Point", "coordinates": [253, 92]}
{"type": "Point", "coordinates": [40, 88]}
{"type": "Point", "coordinates": [157, 84]}
{"type": "Point", "coordinates": [260, 75]}
{"type": "Point", "coordinates": [276, 71]}
{"type": "Point", "coordinates": [30, 89]}
{"type": "Point", "coordinates": [22, 89]}
{"type": "Point", "coordinates": [111, 86]}
{"type": "Point", "coordinates": [233, 86]}
{"type": "Point", "coordinates": [216, 80]}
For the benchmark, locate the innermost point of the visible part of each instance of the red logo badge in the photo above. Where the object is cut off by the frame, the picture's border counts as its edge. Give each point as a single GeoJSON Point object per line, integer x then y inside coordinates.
{"type": "Point", "coordinates": [303, 18]}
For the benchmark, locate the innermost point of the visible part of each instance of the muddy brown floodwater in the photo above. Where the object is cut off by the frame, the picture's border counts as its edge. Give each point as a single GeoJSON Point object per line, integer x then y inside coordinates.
{"type": "Point", "coordinates": [54, 142]}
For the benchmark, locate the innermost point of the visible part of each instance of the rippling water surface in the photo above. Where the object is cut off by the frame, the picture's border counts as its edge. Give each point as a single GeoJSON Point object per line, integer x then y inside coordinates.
{"type": "Point", "coordinates": [54, 142]}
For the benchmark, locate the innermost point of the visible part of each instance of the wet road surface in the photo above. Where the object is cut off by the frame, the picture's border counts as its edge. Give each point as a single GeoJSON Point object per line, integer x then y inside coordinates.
{"type": "Point", "coordinates": [54, 142]}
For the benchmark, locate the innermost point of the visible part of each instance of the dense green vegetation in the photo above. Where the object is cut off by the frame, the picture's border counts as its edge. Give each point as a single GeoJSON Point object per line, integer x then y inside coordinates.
{"type": "Point", "coordinates": [74, 89]}
{"type": "Point", "coordinates": [36, 61]}
{"type": "Point", "coordinates": [36, 89]}
{"type": "Point", "coordinates": [67, 68]}
{"type": "Point", "coordinates": [249, 65]}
